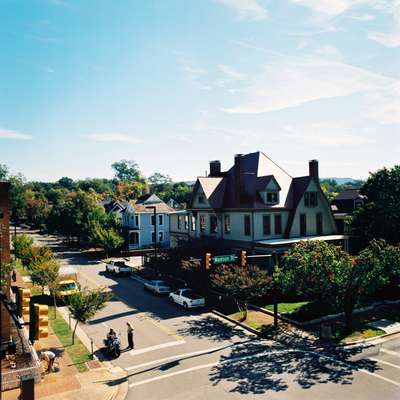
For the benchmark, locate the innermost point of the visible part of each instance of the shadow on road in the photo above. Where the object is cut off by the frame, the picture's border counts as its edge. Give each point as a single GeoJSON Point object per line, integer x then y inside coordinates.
{"type": "Point", "coordinates": [257, 368]}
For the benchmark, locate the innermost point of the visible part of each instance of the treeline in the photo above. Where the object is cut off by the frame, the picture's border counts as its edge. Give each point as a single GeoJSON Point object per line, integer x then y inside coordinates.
{"type": "Point", "coordinates": [332, 188]}
{"type": "Point", "coordinates": [69, 206]}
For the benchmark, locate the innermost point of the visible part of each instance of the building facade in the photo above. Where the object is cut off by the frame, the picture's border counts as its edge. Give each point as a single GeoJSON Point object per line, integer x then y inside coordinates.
{"type": "Point", "coordinates": [256, 206]}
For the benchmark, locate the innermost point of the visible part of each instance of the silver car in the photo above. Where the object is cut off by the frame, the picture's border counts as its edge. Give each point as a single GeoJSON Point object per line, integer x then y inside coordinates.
{"type": "Point", "coordinates": [157, 287]}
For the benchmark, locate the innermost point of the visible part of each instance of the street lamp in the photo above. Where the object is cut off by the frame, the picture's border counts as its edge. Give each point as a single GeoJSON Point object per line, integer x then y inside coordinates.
{"type": "Point", "coordinates": [155, 228]}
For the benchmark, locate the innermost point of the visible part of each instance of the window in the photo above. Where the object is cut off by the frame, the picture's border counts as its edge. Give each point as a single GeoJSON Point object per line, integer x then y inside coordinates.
{"type": "Point", "coordinates": [186, 222]}
{"type": "Point", "coordinates": [179, 221]}
{"type": "Point", "coordinates": [202, 223]}
{"type": "Point", "coordinates": [137, 220]}
{"type": "Point", "coordinates": [160, 219]}
{"type": "Point", "coordinates": [153, 220]}
{"type": "Point", "coordinates": [303, 225]}
{"type": "Point", "coordinates": [278, 224]}
{"type": "Point", "coordinates": [227, 224]}
{"type": "Point", "coordinates": [161, 236]}
{"type": "Point", "coordinates": [134, 238]}
{"type": "Point", "coordinates": [358, 203]}
{"type": "Point", "coordinates": [272, 197]}
{"type": "Point", "coordinates": [319, 223]}
{"type": "Point", "coordinates": [310, 199]}
{"type": "Point", "coordinates": [153, 237]}
{"type": "Point", "coordinates": [266, 225]}
{"type": "Point", "coordinates": [213, 224]}
{"type": "Point", "coordinates": [201, 199]}
{"type": "Point", "coordinates": [247, 225]}
{"type": "Point", "coordinates": [193, 224]}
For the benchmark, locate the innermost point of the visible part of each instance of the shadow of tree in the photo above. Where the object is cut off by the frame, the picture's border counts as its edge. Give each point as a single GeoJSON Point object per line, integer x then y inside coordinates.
{"type": "Point", "coordinates": [259, 367]}
{"type": "Point", "coordinates": [211, 328]}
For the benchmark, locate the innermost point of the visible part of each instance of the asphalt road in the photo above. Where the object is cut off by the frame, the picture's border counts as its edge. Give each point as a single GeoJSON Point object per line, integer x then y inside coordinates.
{"type": "Point", "coordinates": [188, 355]}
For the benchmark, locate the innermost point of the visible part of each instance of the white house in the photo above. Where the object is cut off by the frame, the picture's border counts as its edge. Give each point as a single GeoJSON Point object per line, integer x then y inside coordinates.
{"type": "Point", "coordinates": [256, 205]}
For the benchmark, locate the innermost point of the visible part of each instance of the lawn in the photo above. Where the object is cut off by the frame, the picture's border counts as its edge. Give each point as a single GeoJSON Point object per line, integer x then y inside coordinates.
{"type": "Point", "coordinates": [255, 319]}
{"type": "Point", "coordinates": [78, 352]}
{"type": "Point", "coordinates": [287, 308]}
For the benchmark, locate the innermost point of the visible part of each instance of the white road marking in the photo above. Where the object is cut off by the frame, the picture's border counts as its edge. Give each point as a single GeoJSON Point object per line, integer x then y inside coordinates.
{"type": "Point", "coordinates": [184, 371]}
{"type": "Point", "coordinates": [156, 347]}
{"type": "Point", "coordinates": [178, 356]}
{"type": "Point", "coordinates": [385, 363]}
{"type": "Point", "coordinates": [391, 352]}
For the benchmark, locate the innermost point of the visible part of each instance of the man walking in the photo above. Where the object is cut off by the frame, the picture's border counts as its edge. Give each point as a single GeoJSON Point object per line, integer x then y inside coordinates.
{"type": "Point", "coordinates": [130, 335]}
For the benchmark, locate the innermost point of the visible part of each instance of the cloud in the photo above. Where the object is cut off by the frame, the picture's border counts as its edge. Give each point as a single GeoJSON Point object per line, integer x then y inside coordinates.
{"type": "Point", "coordinates": [384, 106]}
{"type": "Point", "coordinates": [230, 72]}
{"type": "Point", "coordinates": [328, 8]}
{"type": "Point", "coordinates": [247, 9]}
{"type": "Point", "coordinates": [113, 137]}
{"type": "Point", "coordinates": [194, 76]}
{"type": "Point", "coordinates": [323, 134]}
{"type": "Point", "coordinates": [294, 81]}
{"type": "Point", "coordinates": [363, 17]}
{"type": "Point", "coordinates": [181, 138]}
{"type": "Point", "coordinates": [386, 39]}
{"type": "Point", "coordinates": [330, 52]}
{"type": "Point", "coordinates": [10, 134]}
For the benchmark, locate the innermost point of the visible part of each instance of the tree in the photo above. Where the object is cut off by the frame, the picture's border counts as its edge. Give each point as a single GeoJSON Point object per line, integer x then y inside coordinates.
{"type": "Point", "coordinates": [322, 271]}
{"type": "Point", "coordinates": [107, 238]}
{"type": "Point", "coordinates": [126, 170]}
{"type": "Point", "coordinates": [40, 255]}
{"type": "Point", "coordinates": [22, 246]}
{"type": "Point", "coordinates": [3, 172]}
{"type": "Point", "coordinates": [45, 272]}
{"type": "Point", "coordinates": [66, 183]}
{"type": "Point", "coordinates": [17, 197]}
{"type": "Point", "coordinates": [159, 179]}
{"type": "Point", "coordinates": [243, 284]}
{"type": "Point", "coordinates": [380, 217]}
{"type": "Point", "coordinates": [84, 305]}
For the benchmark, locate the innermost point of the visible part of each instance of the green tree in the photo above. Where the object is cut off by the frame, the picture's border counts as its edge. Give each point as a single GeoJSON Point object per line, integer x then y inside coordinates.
{"type": "Point", "coordinates": [380, 217]}
{"type": "Point", "coordinates": [323, 272]}
{"type": "Point", "coordinates": [159, 179]}
{"type": "Point", "coordinates": [45, 272]}
{"type": "Point", "coordinates": [84, 305]}
{"type": "Point", "coordinates": [22, 247]}
{"type": "Point", "coordinates": [107, 238]}
{"type": "Point", "coordinates": [243, 284]}
{"type": "Point", "coordinates": [126, 170]}
{"type": "Point", "coordinates": [3, 172]}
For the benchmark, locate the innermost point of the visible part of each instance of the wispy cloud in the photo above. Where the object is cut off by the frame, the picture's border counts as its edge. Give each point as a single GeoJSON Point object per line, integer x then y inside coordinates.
{"type": "Point", "coordinates": [330, 52]}
{"type": "Point", "coordinates": [363, 17]}
{"type": "Point", "coordinates": [247, 9]}
{"type": "Point", "coordinates": [10, 134]}
{"type": "Point", "coordinates": [231, 72]}
{"type": "Point", "coordinates": [195, 75]}
{"type": "Point", "coordinates": [293, 81]}
{"type": "Point", "coordinates": [113, 137]}
{"type": "Point", "coordinates": [181, 138]}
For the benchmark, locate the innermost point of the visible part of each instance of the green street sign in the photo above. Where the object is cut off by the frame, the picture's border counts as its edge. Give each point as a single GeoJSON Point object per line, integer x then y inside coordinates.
{"type": "Point", "coordinates": [224, 259]}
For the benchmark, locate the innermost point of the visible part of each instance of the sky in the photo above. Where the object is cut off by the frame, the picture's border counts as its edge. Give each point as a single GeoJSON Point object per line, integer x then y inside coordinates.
{"type": "Point", "coordinates": [173, 84]}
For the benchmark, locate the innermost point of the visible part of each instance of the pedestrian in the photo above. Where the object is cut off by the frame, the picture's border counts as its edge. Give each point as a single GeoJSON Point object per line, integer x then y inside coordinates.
{"type": "Point", "coordinates": [49, 357]}
{"type": "Point", "coordinates": [130, 336]}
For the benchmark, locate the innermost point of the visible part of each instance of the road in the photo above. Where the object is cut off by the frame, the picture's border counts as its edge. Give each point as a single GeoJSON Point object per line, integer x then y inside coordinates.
{"type": "Point", "coordinates": [188, 355]}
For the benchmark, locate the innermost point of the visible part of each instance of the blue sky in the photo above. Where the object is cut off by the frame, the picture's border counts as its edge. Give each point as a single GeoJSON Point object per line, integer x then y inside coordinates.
{"type": "Point", "coordinates": [173, 84]}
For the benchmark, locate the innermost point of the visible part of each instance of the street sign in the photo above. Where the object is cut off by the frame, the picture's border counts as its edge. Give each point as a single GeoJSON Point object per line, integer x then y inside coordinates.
{"type": "Point", "coordinates": [224, 259]}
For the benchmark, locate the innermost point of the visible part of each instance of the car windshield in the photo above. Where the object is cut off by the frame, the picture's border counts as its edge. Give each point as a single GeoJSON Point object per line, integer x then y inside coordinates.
{"type": "Point", "coordinates": [68, 286]}
{"type": "Point", "coordinates": [120, 264]}
{"type": "Point", "coordinates": [160, 283]}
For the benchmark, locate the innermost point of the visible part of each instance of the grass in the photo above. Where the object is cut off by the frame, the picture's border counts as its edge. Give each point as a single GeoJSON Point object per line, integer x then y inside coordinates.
{"type": "Point", "coordinates": [363, 332]}
{"type": "Point", "coordinates": [255, 319]}
{"type": "Point", "coordinates": [78, 352]}
{"type": "Point", "coordinates": [287, 308]}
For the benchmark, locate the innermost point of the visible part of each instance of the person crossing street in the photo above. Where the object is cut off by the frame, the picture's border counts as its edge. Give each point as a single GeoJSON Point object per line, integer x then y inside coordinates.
{"type": "Point", "coordinates": [130, 335]}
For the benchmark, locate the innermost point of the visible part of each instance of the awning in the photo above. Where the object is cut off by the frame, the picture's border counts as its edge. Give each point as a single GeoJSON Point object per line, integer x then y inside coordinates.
{"type": "Point", "coordinates": [285, 242]}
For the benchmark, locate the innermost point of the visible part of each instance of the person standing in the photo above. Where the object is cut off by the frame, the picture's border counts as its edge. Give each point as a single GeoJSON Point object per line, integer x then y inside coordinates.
{"type": "Point", "coordinates": [130, 335]}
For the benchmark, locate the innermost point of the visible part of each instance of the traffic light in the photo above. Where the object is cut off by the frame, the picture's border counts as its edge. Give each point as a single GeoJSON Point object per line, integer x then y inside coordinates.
{"type": "Point", "coordinates": [207, 261]}
{"type": "Point", "coordinates": [24, 300]}
{"type": "Point", "coordinates": [41, 321]}
{"type": "Point", "coordinates": [243, 258]}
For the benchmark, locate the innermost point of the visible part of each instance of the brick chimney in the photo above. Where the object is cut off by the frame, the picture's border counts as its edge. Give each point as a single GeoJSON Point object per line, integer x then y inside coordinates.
{"type": "Point", "coordinates": [313, 169]}
{"type": "Point", "coordinates": [239, 178]}
{"type": "Point", "coordinates": [215, 168]}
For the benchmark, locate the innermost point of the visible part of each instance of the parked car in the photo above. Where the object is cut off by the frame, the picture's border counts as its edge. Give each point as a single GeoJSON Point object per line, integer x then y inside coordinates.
{"type": "Point", "coordinates": [158, 287]}
{"type": "Point", "coordinates": [187, 298]}
{"type": "Point", "coordinates": [118, 268]}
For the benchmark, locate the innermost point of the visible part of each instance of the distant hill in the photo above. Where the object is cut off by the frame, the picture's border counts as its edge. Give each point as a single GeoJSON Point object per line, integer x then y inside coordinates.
{"type": "Point", "coordinates": [342, 181]}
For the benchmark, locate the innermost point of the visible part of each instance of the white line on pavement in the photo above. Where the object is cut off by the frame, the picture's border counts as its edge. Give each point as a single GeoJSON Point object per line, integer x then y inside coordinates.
{"type": "Point", "coordinates": [385, 363]}
{"type": "Point", "coordinates": [391, 352]}
{"type": "Point", "coordinates": [184, 371]}
{"type": "Point", "coordinates": [178, 356]}
{"type": "Point", "coordinates": [157, 347]}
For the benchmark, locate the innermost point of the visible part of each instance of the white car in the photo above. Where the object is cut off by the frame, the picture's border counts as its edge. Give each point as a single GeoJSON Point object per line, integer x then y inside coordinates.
{"type": "Point", "coordinates": [187, 298]}
{"type": "Point", "coordinates": [158, 287]}
{"type": "Point", "coordinates": [118, 268]}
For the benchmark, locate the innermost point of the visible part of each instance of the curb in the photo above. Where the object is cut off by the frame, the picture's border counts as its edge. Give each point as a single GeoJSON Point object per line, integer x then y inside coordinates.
{"type": "Point", "coordinates": [237, 323]}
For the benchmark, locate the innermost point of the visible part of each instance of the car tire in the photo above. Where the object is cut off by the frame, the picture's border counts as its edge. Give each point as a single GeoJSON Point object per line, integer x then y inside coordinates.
{"type": "Point", "coordinates": [185, 305]}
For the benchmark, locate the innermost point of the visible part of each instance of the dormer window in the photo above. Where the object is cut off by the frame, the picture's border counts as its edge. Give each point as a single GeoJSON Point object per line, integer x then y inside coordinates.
{"type": "Point", "coordinates": [270, 196]}
{"type": "Point", "coordinates": [201, 199]}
